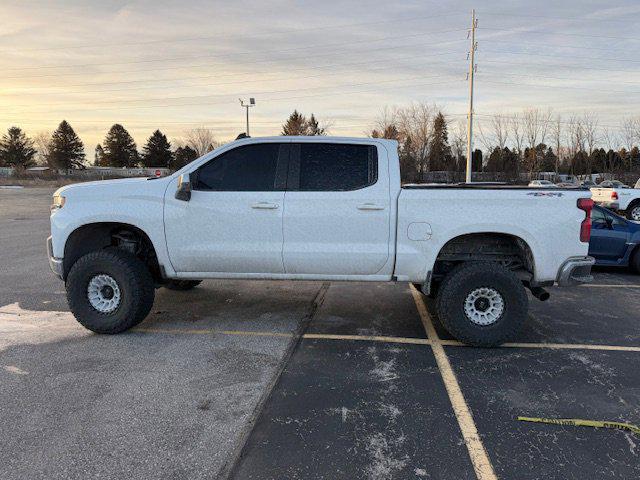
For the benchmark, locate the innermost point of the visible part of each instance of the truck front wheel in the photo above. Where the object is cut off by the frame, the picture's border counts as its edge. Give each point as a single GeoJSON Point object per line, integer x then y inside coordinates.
{"type": "Point", "coordinates": [109, 291]}
{"type": "Point", "coordinates": [482, 304]}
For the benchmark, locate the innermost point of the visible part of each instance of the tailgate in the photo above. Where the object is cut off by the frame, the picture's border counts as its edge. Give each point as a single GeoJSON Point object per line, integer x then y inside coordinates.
{"type": "Point", "coordinates": [601, 194]}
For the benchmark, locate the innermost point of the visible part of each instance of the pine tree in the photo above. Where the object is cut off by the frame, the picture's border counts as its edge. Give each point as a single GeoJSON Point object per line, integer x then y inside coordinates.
{"type": "Point", "coordinates": [119, 148]}
{"type": "Point", "coordinates": [67, 150]}
{"type": "Point", "coordinates": [182, 157]}
{"type": "Point", "coordinates": [16, 149]}
{"type": "Point", "coordinates": [439, 157]}
{"type": "Point", "coordinates": [296, 124]}
{"type": "Point", "coordinates": [313, 127]}
{"type": "Point", "coordinates": [157, 151]}
{"type": "Point", "coordinates": [98, 156]}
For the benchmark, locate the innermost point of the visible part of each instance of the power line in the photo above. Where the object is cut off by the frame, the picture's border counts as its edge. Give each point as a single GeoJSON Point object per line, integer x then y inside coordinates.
{"type": "Point", "coordinates": [512, 31]}
{"type": "Point", "coordinates": [260, 52]}
{"type": "Point", "coordinates": [626, 60]}
{"type": "Point", "coordinates": [608, 80]}
{"type": "Point", "coordinates": [243, 36]}
{"type": "Point", "coordinates": [561, 65]}
{"type": "Point", "coordinates": [529, 44]}
{"type": "Point", "coordinates": [513, 118]}
{"type": "Point", "coordinates": [563, 17]}
{"type": "Point", "coordinates": [573, 87]}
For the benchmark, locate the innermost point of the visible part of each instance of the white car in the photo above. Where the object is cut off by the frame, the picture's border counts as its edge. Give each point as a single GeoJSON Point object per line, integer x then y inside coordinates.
{"type": "Point", "coordinates": [619, 197]}
{"type": "Point", "coordinates": [541, 183]}
{"type": "Point", "coordinates": [316, 208]}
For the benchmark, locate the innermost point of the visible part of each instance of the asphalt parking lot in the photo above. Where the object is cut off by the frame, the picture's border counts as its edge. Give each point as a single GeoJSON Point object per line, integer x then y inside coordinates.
{"type": "Point", "coordinates": [273, 380]}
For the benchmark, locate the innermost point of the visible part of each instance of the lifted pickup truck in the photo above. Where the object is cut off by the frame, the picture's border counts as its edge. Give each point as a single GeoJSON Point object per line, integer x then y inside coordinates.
{"type": "Point", "coordinates": [317, 208]}
{"type": "Point", "coordinates": [625, 200]}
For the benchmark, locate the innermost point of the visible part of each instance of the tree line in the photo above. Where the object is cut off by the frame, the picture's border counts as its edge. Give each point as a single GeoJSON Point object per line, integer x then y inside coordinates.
{"type": "Point", "coordinates": [63, 149]}
{"type": "Point", "coordinates": [530, 142]}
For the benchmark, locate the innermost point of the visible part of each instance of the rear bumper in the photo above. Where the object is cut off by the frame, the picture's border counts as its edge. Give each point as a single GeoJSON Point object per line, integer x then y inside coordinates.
{"type": "Point", "coordinates": [56, 264]}
{"type": "Point", "coordinates": [609, 205]}
{"type": "Point", "coordinates": [575, 270]}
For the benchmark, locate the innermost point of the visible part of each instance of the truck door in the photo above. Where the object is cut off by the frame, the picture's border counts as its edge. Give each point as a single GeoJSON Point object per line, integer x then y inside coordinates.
{"type": "Point", "coordinates": [337, 209]}
{"type": "Point", "coordinates": [233, 222]}
{"type": "Point", "coordinates": [609, 236]}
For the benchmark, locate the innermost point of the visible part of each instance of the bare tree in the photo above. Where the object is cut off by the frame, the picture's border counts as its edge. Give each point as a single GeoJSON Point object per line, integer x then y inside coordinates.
{"type": "Point", "coordinates": [611, 142]}
{"type": "Point", "coordinates": [384, 121]}
{"type": "Point", "coordinates": [459, 144]}
{"type": "Point", "coordinates": [42, 142]}
{"type": "Point", "coordinates": [628, 135]}
{"type": "Point", "coordinates": [536, 125]}
{"type": "Point", "coordinates": [576, 139]}
{"type": "Point", "coordinates": [201, 139]}
{"type": "Point", "coordinates": [416, 128]}
{"type": "Point", "coordinates": [556, 135]}
{"type": "Point", "coordinates": [590, 131]}
{"type": "Point", "coordinates": [517, 133]}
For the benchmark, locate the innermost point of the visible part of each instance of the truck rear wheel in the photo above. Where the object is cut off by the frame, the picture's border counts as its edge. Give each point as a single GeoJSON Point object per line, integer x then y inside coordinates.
{"type": "Point", "coordinates": [482, 304]}
{"type": "Point", "coordinates": [182, 284]}
{"type": "Point", "coordinates": [109, 291]}
{"type": "Point", "coordinates": [633, 212]}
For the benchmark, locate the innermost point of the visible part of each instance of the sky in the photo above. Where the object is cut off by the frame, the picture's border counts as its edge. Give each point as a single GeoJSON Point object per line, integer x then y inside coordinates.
{"type": "Point", "coordinates": [181, 65]}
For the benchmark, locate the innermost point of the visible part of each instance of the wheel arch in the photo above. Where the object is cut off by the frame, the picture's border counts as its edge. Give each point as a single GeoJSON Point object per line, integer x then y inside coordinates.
{"type": "Point", "coordinates": [98, 235]}
{"type": "Point", "coordinates": [506, 248]}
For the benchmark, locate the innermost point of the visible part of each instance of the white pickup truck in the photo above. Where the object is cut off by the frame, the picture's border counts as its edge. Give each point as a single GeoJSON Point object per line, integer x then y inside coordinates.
{"type": "Point", "coordinates": [317, 208]}
{"type": "Point", "coordinates": [623, 199]}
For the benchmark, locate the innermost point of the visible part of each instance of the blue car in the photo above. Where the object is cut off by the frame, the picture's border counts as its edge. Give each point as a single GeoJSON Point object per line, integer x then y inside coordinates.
{"type": "Point", "coordinates": [615, 241]}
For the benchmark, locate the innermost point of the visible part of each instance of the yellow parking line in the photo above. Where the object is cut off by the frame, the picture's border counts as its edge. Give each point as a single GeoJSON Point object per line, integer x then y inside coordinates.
{"type": "Point", "coordinates": [319, 336]}
{"type": "Point", "coordinates": [385, 339]}
{"type": "Point", "coordinates": [599, 285]}
{"type": "Point", "coordinates": [555, 346]}
{"type": "Point", "coordinates": [477, 453]}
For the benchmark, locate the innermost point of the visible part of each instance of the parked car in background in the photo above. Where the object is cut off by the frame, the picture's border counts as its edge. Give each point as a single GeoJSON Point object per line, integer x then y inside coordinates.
{"type": "Point", "coordinates": [567, 185]}
{"type": "Point", "coordinates": [615, 241]}
{"type": "Point", "coordinates": [620, 198]}
{"type": "Point", "coordinates": [612, 184]}
{"type": "Point", "coordinates": [541, 183]}
{"type": "Point", "coordinates": [587, 184]}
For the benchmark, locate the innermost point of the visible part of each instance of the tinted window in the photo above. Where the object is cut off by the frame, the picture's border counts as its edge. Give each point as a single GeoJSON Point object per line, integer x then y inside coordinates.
{"type": "Point", "coordinates": [336, 167]}
{"type": "Point", "coordinates": [597, 215]}
{"type": "Point", "coordinates": [251, 168]}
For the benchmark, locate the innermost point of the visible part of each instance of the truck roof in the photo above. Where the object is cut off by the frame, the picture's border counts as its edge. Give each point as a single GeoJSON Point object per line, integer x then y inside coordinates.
{"type": "Point", "coordinates": [314, 139]}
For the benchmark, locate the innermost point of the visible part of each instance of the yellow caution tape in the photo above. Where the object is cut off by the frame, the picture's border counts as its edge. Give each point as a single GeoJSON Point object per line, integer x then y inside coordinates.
{"type": "Point", "coordinates": [576, 422]}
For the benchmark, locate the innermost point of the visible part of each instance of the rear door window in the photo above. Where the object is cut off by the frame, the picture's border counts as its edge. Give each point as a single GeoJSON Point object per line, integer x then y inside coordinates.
{"type": "Point", "coordinates": [332, 167]}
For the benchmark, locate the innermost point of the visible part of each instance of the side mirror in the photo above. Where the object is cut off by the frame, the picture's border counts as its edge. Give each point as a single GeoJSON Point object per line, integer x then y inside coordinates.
{"type": "Point", "coordinates": [609, 223]}
{"type": "Point", "coordinates": [183, 191]}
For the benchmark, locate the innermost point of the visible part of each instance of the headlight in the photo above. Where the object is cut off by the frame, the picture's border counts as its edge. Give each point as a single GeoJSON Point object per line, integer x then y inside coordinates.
{"type": "Point", "coordinates": [58, 202]}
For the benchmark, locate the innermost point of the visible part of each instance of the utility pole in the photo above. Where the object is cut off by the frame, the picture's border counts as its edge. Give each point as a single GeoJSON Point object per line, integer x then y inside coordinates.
{"type": "Point", "coordinates": [252, 103]}
{"type": "Point", "coordinates": [472, 68]}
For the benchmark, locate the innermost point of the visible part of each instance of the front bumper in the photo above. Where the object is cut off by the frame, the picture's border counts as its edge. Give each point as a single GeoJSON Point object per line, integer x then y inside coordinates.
{"type": "Point", "coordinates": [56, 264]}
{"type": "Point", "coordinates": [575, 270]}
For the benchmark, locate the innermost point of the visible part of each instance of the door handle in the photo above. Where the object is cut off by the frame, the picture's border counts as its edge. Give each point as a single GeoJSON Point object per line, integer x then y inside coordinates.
{"type": "Point", "coordinates": [265, 205]}
{"type": "Point", "coordinates": [370, 206]}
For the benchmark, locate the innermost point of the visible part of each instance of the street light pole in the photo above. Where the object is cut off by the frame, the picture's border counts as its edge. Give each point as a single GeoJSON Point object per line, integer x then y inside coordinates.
{"type": "Point", "coordinates": [252, 103]}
